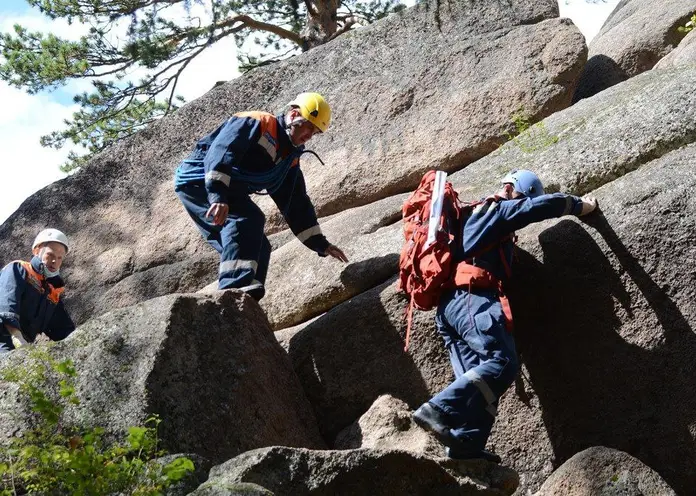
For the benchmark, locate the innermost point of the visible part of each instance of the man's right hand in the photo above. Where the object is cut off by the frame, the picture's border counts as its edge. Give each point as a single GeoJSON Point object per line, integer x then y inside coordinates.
{"type": "Point", "coordinates": [337, 253]}
{"type": "Point", "coordinates": [589, 204]}
{"type": "Point", "coordinates": [219, 213]}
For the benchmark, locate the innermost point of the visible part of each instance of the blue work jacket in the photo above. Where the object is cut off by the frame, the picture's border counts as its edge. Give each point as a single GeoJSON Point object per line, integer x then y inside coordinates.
{"type": "Point", "coordinates": [33, 303]}
{"type": "Point", "coordinates": [252, 153]}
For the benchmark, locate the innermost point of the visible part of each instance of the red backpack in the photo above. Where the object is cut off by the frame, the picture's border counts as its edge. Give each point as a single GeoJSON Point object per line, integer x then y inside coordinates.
{"type": "Point", "coordinates": [426, 266]}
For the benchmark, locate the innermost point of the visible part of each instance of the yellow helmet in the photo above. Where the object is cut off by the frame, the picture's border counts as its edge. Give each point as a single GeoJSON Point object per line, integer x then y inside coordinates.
{"type": "Point", "coordinates": [314, 108]}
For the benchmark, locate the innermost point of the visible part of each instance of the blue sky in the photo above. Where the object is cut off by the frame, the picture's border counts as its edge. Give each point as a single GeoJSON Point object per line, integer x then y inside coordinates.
{"type": "Point", "coordinates": [15, 6]}
{"type": "Point", "coordinates": [27, 167]}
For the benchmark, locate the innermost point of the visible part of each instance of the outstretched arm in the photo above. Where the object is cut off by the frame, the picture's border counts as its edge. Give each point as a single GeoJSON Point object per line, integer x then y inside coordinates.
{"type": "Point", "coordinates": [299, 213]}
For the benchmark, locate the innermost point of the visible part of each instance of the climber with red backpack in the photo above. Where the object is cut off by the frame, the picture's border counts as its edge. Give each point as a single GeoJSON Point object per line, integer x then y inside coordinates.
{"type": "Point", "coordinates": [458, 257]}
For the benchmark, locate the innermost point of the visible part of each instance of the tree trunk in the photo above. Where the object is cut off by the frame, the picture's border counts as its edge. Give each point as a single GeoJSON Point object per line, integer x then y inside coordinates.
{"type": "Point", "coordinates": [321, 22]}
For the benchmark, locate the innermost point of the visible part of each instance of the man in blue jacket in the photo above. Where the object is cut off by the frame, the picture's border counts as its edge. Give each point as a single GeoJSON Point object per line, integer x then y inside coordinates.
{"type": "Point", "coordinates": [31, 294]}
{"type": "Point", "coordinates": [474, 319]}
{"type": "Point", "coordinates": [254, 152]}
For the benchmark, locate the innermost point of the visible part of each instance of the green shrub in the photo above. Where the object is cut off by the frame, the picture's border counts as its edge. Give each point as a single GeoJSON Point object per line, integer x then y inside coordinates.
{"type": "Point", "coordinates": [688, 26]}
{"type": "Point", "coordinates": [52, 458]}
{"type": "Point", "coordinates": [530, 137]}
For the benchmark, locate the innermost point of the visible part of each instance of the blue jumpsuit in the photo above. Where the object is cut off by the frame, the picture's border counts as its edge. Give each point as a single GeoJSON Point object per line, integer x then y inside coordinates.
{"type": "Point", "coordinates": [249, 153]}
{"type": "Point", "coordinates": [32, 303]}
{"type": "Point", "coordinates": [472, 324]}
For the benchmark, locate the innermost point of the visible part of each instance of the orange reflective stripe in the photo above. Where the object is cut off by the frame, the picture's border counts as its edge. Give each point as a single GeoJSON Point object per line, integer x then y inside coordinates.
{"type": "Point", "coordinates": [32, 277]}
{"type": "Point", "coordinates": [36, 280]}
{"type": "Point", "coordinates": [269, 125]}
{"type": "Point", "coordinates": [55, 294]}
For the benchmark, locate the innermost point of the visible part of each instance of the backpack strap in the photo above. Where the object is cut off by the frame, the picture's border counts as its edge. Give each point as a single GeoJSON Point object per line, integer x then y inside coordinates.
{"type": "Point", "coordinates": [409, 323]}
{"type": "Point", "coordinates": [466, 274]}
{"type": "Point", "coordinates": [471, 276]}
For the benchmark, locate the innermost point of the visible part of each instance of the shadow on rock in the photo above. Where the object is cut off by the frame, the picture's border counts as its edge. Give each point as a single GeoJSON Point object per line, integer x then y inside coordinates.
{"type": "Point", "coordinates": [351, 355]}
{"type": "Point", "coordinates": [600, 73]}
{"type": "Point", "coordinates": [605, 373]}
{"type": "Point", "coordinates": [378, 269]}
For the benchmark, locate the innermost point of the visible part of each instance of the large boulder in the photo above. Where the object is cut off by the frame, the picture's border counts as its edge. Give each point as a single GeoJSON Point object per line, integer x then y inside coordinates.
{"type": "Point", "coordinates": [613, 297]}
{"type": "Point", "coordinates": [215, 488]}
{"type": "Point", "coordinates": [596, 306]}
{"type": "Point", "coordinates": [597, 140]}
{"type": "Point", "coordinates": [636, 35]}
{"type": "Point", "coordinates": [300, 285]}
{"type": "Point", "coordinates": [352, 354]}
{"type": "Point", "coordinates": [575, 151]}
{"type": "Point", "coordinates": [608, 322]}
{"type": "Point", "coordinates": [288, 472]}
{"type": "Point", "coordinates": [387, 425]}
{"type": "Point", "coordinates": [208, 365]}
{"type": "Point", "coordinates": [684, 54]}
{"type": "Point", "coordinates": [605, 471]}
{"type": "Point", "coordinates": [456, 71]}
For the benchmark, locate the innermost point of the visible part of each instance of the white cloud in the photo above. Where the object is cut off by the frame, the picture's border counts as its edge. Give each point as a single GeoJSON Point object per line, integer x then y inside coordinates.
{"type": "Point", "coordinates": [26, 165]}
{"type": "Point", "coordinates": [37, 22]}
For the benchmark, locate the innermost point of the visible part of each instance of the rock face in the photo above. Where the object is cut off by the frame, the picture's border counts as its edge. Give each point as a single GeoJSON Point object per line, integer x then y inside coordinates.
{"type": "Point", "coordinates": [455, 70]}
{"type": "Point", "coordinates": [188, 359]}
{"type": "Point", "coordinates": [601, 470]}
{"type": "Point", "coordinates": [611, 302]}
{"type": "Point", "coordinates": [301, 285]}
{"type": "Point", "coordinates": [237, 489]}
{"type": "Point", "coordinates": [598, 140]}
{"type": "Point", "coordinates": [610, 299]}
{"type": "Point", "coordinates": [352, 354]}
{"type": "Point", "coordinates": [637, 34]}
{"type": "Point", "coordinates": [287, 471]}
{"type": "Point", "coordinates": [575, 151]}
{"type": "Point", "coordinates": [387, 425]}
{"type": "Point", "coordinates": [684, 54]}
{"type": "Point", "coordinates": [603, 307]}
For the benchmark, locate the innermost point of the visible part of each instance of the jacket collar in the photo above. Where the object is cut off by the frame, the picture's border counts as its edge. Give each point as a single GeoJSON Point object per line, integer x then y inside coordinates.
{"type": "Point", "coordinates": [285, 138]}
{"type": "Point", "coordinates": [37, 265]}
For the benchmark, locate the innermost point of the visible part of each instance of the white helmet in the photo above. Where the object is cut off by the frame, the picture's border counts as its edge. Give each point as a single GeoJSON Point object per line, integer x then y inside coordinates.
{"type": "Point", "coordinates": [49, 235]}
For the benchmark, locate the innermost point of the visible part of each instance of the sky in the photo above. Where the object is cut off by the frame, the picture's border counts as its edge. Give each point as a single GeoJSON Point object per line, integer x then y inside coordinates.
{"type": "Point", "coordinates": [27, 166]}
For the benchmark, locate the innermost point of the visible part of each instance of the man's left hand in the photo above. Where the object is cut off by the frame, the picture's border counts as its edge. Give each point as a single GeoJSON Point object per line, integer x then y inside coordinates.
{"type": "Point", "coordinates": [589, 204]}
{"type": "Point", "coordinates": [337, 253]}
{"type": "Point", "coordinates": [17, 337]}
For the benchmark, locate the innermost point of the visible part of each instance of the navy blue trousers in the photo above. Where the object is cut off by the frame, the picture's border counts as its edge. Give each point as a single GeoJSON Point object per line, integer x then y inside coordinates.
{"type": "Point", "coordinates": [243, 247]}
{"type": "Point", "coordinates": [484, 358]}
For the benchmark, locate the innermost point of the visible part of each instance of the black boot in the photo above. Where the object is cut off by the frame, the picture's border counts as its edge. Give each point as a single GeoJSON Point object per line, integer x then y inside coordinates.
{"type": "Point", "coordinates": [462, 454]}
{"type": "Point", "coordinates": [429, 418]}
